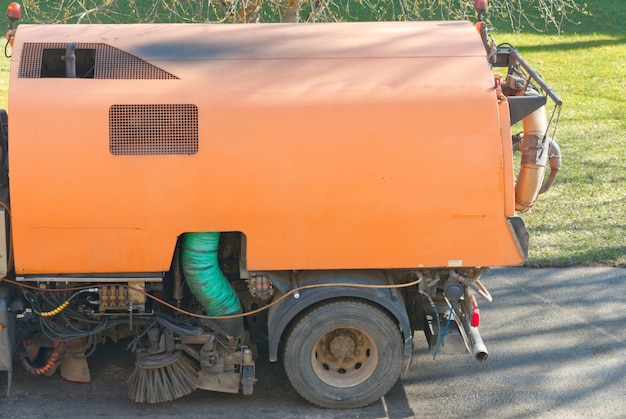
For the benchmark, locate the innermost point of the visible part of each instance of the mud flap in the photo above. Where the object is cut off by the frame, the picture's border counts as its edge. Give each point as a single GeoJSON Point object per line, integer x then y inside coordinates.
{"type": "Point", "coordinates": [224, 382]}
{"type": "Point", "coordinates": [6, 337]}
{"type": "Point", "coordinates": [75, 369]}
{"type": "Point", "coordinates": [453, 343]}
{"type": "Point", "coordinates": [520, 235]}
{"type": "Point", "coordinates": [247, 379]}
{"type": "Point", "coordinates": [74, 365]}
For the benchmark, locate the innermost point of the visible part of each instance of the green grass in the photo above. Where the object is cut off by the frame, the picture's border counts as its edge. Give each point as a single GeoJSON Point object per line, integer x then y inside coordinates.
{"type": "Point", "coordinates": [582, 219]}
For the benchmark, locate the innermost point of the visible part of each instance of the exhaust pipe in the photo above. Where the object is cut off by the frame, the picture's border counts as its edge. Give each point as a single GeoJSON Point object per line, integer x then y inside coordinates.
{"type": "Point", "coordinates": [473, 340]}
{"type": "Point", "coordinates": [479, 350]}
{"type": "Point", "coordinates": [471, 336]}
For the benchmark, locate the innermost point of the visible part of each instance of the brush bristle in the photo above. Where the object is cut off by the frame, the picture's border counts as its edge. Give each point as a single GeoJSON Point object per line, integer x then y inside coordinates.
{"type": "Point", "coordinates": [163, 384]}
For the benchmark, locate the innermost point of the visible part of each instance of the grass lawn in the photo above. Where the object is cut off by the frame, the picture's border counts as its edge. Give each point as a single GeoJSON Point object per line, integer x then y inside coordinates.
{"type": "Point", "coordinates": [582, 219]}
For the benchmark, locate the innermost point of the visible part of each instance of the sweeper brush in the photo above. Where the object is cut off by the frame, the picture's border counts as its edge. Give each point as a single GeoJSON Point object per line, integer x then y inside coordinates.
{"type": "Point", "coordinates": [162, 377]}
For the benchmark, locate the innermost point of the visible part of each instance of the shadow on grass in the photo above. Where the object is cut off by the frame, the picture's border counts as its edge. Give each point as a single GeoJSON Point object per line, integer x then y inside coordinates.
{"type": "Point", "coordinates": [605, 256]}
{"type": "Point", "coordinates": [564, 46]}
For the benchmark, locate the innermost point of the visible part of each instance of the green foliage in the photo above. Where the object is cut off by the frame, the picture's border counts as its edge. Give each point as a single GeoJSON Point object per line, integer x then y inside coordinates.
{"type": "Point", "coordinates": [540, 15]}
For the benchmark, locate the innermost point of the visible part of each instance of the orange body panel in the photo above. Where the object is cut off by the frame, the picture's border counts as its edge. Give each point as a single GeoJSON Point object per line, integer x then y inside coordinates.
{"type": "Point", "coordinates": [330, 146]}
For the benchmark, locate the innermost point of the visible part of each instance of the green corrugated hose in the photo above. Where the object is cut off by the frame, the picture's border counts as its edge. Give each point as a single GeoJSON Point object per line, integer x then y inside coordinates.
{"type": "Point", "coordinates": [204, 277]}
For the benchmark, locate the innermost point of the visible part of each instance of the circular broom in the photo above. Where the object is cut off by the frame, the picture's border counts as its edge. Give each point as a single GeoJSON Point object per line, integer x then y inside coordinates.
{"type": "Point", "coordinates": [162, 377]}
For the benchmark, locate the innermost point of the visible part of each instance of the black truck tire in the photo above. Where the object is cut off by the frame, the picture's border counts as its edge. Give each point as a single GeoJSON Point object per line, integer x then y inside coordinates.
{"type": "Point", "coordinates": [343, 354]}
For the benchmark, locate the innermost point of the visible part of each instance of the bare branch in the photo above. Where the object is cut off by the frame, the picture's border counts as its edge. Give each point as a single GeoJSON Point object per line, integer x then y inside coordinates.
{"type": "Point", "coordinates": [538, 15]}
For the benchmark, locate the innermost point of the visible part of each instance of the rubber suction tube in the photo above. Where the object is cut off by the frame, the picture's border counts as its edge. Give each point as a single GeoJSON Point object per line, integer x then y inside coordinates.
{"type": "Point", "coordinates": [204, 277]}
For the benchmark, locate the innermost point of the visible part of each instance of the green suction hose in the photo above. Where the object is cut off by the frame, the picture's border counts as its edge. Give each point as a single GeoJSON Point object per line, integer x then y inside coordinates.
{"type": "Point", "coordinates": [204, 277]}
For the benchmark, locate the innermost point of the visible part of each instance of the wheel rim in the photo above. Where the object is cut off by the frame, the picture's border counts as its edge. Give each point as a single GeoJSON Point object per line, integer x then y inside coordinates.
{"type": "Point", "coordinates": [344, 357]}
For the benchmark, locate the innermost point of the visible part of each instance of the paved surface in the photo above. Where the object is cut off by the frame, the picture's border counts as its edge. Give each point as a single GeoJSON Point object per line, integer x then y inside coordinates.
{"type": "Point", "coordinates": [557, 341]}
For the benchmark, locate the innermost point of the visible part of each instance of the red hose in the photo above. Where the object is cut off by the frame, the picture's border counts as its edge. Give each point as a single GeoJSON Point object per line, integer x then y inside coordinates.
{"type": "Point", "coordinates": [55, 357]}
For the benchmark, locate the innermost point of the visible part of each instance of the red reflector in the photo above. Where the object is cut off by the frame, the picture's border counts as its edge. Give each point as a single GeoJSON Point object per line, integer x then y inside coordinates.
{"type": "Point", "coordinates": [497, 78]}
{"type": "Point", "coordinates": [475, 313]}
{"type": "Point", "coordinates": [476, 318]}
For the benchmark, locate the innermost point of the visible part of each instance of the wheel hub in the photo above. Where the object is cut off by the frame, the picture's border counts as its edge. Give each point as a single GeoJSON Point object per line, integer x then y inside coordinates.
{"type": "Point", "coordinates": [342, 345]}
{"type": "Point", "coordinates": [344, 357]}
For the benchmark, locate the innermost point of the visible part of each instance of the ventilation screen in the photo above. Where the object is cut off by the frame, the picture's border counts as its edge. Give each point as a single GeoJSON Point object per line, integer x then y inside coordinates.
{"type": "Point", "coordinates": [153, 129]}
{"type": "Point", "coordinates": [98, 61]}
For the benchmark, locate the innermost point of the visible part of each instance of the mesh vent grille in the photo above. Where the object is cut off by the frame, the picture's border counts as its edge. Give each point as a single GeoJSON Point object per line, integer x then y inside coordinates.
{"type": "Point", "coordinates": [153, 129]}
{"type": "Point", "coordinates": [111, 63]}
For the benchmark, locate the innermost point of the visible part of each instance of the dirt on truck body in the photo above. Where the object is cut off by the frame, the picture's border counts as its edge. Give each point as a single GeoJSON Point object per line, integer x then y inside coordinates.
{"type": "Point", "coordinates": [325, 189]}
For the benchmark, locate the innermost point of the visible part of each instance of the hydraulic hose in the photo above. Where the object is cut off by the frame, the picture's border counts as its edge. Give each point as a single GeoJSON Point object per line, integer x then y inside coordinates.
{"type": "Point", "coordinates": [534, 159]}
{"type": "Point", "coordinates": [554, 156]}
{"type": "Point", "coordinates": [204, 277]}
{"type": "Point", "coordinates": [185, 331]}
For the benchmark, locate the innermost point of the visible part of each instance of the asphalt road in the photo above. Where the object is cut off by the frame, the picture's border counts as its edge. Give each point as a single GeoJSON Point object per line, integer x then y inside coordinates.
{"type": "Point", "coordinates": [557, 350]}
